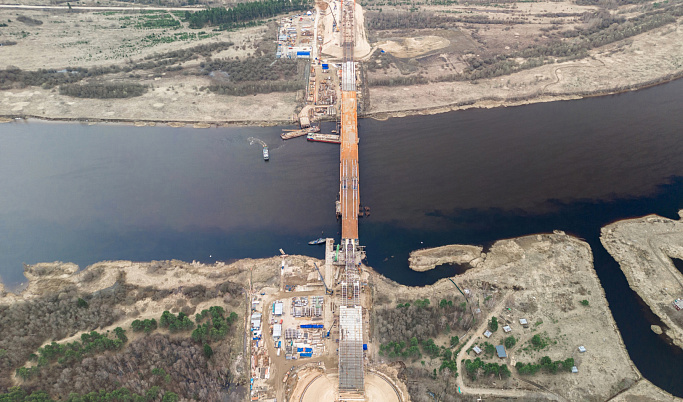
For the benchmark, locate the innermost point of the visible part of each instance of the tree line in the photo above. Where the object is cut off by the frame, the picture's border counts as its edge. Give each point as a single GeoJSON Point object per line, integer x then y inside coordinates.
{"type": "Point", "coordinates": [227, 18]}
{"type": "Point", "coordinates": [251, 88]}
{"type": "Point", "coordinates": [103, 90]}
{"type": "Point", "coordinates": [378, 21]}
{"type": "Point", "coordinates": [49, 78]}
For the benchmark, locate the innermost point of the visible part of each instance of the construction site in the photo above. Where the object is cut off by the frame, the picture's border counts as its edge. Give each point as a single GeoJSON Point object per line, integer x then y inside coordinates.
{"type": "Point", "coordinates": [326, 37]}
{"type": "Point", "coordinates": [309, 335]}
{"type": "Point", "coordinates": [309, 338]}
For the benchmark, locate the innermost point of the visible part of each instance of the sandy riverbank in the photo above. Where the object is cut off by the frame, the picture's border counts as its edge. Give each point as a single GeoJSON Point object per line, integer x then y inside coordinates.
{"type": "Point", "coordinates": [644, 248]}
{"type": "Point", "coordinates": [177, 99]}
{"type": "Point", "coordinates": [638, 62]}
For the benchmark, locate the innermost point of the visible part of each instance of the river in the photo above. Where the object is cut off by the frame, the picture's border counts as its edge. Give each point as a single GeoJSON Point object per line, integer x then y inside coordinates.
{"type": "Point", "coordinates": [86, 193]}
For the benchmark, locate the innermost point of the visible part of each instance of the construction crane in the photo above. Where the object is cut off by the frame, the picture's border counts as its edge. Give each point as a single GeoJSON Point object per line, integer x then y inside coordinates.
{"type": "Point", "coordinates": [327, 290]}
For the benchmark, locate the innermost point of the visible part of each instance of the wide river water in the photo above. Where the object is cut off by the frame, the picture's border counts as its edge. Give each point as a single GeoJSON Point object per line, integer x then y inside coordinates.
{"type": "Point", "coordinates": [80, 193]}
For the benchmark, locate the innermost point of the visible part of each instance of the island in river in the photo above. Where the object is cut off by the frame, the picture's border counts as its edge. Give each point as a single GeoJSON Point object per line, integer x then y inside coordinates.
{"type": "Point", "coordinates": [646, 249]}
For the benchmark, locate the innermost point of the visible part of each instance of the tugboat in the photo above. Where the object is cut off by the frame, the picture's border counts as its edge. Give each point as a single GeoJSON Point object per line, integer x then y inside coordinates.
{"type": "Point", "coordinates": [315, 242]}
{"type": "Point", "coordinates": [265, 154]}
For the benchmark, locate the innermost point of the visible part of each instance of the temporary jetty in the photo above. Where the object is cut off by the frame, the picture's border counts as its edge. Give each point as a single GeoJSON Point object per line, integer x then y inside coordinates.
{"type": "Point", "coordinates": [299, 133]}
{"type": "Point", "coordinates": [331, 138]}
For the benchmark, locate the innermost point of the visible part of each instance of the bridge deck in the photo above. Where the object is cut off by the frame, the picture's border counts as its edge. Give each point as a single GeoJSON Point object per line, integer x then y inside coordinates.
{"type": "Point", "coordinates": [348, 172]}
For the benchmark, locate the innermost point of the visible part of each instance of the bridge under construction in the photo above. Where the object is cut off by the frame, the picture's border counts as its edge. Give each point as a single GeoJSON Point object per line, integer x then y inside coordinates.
{"type": "Point", "coordinates": [351, 370]}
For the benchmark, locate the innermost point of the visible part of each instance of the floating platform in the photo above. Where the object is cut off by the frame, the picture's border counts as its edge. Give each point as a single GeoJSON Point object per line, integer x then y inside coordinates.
{"type": "Point", "coordinates": [299, 133]}
{"type": "Point", "coordinates": [330, 138]}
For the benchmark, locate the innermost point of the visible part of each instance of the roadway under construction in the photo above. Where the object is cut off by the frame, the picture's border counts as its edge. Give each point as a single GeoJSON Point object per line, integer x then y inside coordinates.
{"type": "Point", "coordinates": [351, 370]}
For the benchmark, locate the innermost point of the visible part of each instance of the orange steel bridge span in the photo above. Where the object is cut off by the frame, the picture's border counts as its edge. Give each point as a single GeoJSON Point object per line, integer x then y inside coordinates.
{"type": "Point", "coordinates": [349, 197]}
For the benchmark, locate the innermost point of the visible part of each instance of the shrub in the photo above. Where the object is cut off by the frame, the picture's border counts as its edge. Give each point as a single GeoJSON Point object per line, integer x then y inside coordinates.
{"type": "Point", "coordinates": [510, 341]}
{"type": "Point", "coordinates": [82, 303]}
{"type": "Point", "coordinates": [493, 324]}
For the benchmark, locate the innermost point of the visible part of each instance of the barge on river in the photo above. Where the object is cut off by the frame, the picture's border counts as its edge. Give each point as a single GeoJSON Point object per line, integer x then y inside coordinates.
{"type": "Point", "coordinates": [331, 138]}
{"type": "Point", "coordinates": [299, 133]}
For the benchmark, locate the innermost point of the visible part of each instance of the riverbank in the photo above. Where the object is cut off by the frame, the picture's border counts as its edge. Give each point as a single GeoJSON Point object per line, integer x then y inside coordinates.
{"type": "Point", "coordinates": [178, 96]}
{"type": "Point", "coordinates": [541, 278]}
{"type": "Point", "coordinates": [644, 248]}
{"type": "Point", "coordinates": [549, 281]}
{"type": "Point", "coordinates": [639, 62]}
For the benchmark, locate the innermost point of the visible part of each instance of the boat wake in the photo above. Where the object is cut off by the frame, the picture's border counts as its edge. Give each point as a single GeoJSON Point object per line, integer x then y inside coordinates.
{"type": "Point", "coordinates": [254, 140]}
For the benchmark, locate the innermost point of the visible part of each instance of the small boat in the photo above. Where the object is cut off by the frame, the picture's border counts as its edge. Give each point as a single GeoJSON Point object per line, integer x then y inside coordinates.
{"type": "Point", "coordinates": [315, 242]}
{"type": "Point", "coordinates": [265, 154]}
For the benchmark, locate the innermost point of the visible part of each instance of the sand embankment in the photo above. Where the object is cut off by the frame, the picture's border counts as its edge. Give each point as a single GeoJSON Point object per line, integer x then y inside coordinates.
{"type": "Point", "coordinates": [424, 260]}
{"type": "Point", "coordinates": [638, 62]}
{"type": "Point", "coordinates": [644, 247]}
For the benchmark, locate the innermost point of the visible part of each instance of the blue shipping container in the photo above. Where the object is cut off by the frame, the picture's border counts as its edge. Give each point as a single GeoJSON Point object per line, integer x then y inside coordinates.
{"type": "Point", "coordinates": [308, 349]}
{"type": "Point", "coordinates": [365, 346]}
{"type": "Point", "coordinates": [325, 66]}
{"type": "Point", "coordinates": [305, 354]}
{"type": "Point", "coordinates": [311, 326]}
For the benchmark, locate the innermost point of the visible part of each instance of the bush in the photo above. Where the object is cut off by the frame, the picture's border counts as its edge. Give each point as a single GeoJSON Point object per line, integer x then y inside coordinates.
{"type": "Point", "coordinates": [584, 303]}
{"type": "Point", "coordinates": [147, 325]}
{"type": "Point", "coordinates": [208, 352]}
{"type": "Point", "coordinates": [82, 303]}
{"type": "Point", "coordinates": [510, 341]}
{"type": "Point", "coordinates": [174, 324]}
{"type": "Point", "coordinates": [454, 340]}
{"type": "Point", "coordinates": [216, 326]}
{"type": "Point", "coordinates": [493, 324]}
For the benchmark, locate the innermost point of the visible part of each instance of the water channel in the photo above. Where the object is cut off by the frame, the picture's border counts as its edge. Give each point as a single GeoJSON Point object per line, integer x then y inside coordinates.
{"type": "Point", "coordinates": [86, 193]}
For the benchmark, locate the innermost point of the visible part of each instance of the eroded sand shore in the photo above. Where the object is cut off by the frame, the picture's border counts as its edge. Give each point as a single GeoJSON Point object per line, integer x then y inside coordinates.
{"type": "Point", "coordinates": [644, 247]}
{"type": "Point", "coordinates": [424, 260]}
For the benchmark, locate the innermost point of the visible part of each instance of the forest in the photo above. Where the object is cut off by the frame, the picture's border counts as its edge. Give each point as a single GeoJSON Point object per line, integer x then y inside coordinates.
{"type": "Point", "coordinates": [262, 68]}
{"type": "Point", "coordinates": [162, 364]}
{"type": "Point", "coordinates": [241, 13]}
{"type": "Point", "coordinates": [420, 320]}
